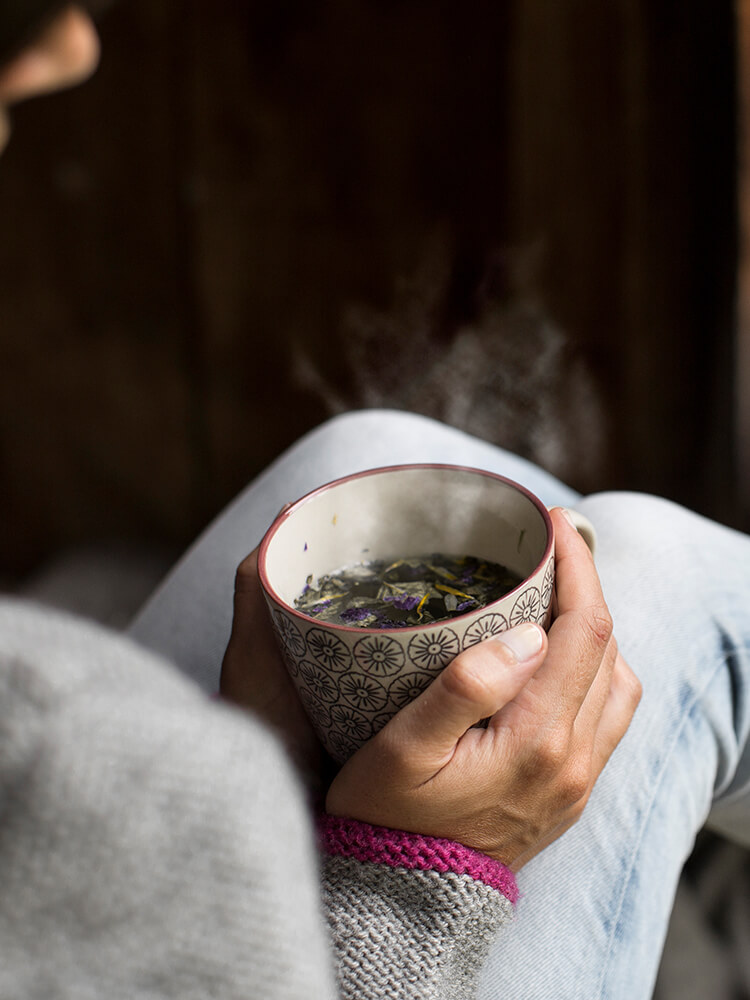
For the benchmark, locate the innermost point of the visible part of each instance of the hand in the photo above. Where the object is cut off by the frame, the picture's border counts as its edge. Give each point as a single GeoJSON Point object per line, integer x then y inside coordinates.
{"type": "Point", "coordinates": [557, 708]}
{"type": "Point", "coordinates": [253, 675]}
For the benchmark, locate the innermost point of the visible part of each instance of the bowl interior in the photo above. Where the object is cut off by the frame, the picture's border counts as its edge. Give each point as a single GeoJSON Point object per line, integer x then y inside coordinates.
{"type": "Point", "coordinates": [402, 512]}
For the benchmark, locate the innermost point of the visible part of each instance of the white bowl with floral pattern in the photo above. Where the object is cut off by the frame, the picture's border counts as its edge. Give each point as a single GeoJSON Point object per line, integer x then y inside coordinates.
{"type": "Point", "coordinates": [353, 680]}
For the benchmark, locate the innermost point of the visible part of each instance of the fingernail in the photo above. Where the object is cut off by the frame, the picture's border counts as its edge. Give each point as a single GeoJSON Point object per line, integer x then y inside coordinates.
{"type": "Point", "coordinates": [568, 517]}
{"type": "Point", "coordinates": [524, 641]}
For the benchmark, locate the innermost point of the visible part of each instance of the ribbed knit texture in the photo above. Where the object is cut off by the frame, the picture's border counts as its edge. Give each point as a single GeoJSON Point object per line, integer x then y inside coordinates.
{"type": "Point", "coordinates": [350, 838]}
{"type": "Point", "coordinates": [407, 934]}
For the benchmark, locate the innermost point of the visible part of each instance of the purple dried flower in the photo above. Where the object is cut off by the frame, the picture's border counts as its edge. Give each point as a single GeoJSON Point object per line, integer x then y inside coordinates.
{"type": "Point", "coordinates": [404, 602]}
{"type": "Point", "coordinates": [386, 623]}
{"type": "Point", "coordinates": [355, 614]}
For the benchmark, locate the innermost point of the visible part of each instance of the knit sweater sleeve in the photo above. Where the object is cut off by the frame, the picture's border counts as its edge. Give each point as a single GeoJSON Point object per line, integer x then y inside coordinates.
{"type": "Point", "coordinates": [154, 845]}
{"type": "Point", "coordinates": [410, 916]}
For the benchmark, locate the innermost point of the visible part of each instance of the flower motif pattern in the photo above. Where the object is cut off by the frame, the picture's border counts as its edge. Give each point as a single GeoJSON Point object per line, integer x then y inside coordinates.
{"type": "Point", "coordinates": [318, 682]}
{"type": "Point", "coordinates": [339, 747]}
{"type": "Point", "coordinates": [363, 692]}
{"type": "Point", "coordinates": [484, 628]}
{"type": "Point", "coordinates": [526, 608]}
{"type": "Point", "coordinates": [433, 649]}
{"type": "Point", "coordinates": [352, 724]}
{"type": "Point", "coordinates": [317, 712]}
{"type": "Point", "coordinates": [379, 655]}
{"type": "Point", "coordinates": [292, 664]}
{"type": "Point", "coordinates": [289, 634]}
{"type": "Point", "coordinates": [328, 650]}
{"type": "Point", "coordinates": [408, 687]}
{"type": "Point", "coordinates": [547, 584]}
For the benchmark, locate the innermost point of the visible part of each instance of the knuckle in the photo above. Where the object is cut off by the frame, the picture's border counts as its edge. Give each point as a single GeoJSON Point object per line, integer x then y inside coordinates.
{"type": "Point", "coordinates": [575, 811]}
{"type": "Point", "coordinates": [464, 679]}
{"type": "Point", "coordinates": [598, 624]}
{"type": "Point", "coordinates": [553, 753]}
{"type": "Point", "coordinates": [575, 784]}
{"type": "Point", "coordinates": [627, 684]}
{"type": "Point", "coordinates": [634, 689]}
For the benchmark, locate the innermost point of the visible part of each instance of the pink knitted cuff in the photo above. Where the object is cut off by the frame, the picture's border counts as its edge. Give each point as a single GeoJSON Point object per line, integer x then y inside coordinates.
{"type": "Point", "coordinates": [349, 838]}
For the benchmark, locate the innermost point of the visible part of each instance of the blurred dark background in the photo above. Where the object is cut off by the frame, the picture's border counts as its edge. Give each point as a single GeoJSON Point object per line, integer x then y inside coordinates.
{"type": "Point", "coordinates": [529, 219]}
{"type": "Point", "coordinates": [521, 217]}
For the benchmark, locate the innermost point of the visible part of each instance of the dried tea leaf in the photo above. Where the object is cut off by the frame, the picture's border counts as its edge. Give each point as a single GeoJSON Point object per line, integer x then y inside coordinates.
{"type": "Point", "coordinates": [400, 593]}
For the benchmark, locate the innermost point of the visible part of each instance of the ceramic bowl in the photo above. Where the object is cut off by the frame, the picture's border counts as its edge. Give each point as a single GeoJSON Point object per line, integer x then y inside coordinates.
{"type": "Point", "coordinates": [353, 680]}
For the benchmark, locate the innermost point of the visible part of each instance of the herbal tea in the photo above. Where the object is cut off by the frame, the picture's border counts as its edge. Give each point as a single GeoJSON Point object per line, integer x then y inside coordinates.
{"type": "Point", "coordinates": [402, 593]}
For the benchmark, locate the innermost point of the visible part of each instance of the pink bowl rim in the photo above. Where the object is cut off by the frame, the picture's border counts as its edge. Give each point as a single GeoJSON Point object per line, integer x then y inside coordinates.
{"type": "Point", "coordinates": [288, 511]}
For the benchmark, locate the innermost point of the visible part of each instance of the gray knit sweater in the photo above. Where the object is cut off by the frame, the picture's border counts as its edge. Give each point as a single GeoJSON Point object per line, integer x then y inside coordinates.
{"type": "Point", "coordinates": [156, 844]}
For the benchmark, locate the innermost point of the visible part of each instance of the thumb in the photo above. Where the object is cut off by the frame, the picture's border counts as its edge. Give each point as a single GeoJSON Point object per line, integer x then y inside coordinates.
{"type": "Point", "coordinates": [248, 606]}
{"type": "Point", "coordinates": [478, 683]}
{"type": "Point", "coordinates": [251, 643]}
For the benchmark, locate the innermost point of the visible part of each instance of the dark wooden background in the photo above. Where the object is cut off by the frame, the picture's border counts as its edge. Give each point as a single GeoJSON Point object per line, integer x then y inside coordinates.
{"type": "Point", "coordinates": [238, 177]}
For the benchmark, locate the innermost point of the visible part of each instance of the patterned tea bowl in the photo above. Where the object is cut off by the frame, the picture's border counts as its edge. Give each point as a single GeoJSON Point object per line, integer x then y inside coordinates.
{"type": "Point", "coordinates": [353, 680]}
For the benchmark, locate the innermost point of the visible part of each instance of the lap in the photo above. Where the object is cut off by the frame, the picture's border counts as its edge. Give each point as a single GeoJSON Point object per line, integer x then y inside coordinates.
{"type": "Point", "coordinates": [597, 902]}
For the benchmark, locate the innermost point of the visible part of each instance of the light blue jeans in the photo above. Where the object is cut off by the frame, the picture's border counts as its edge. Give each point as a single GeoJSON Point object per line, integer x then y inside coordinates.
{"type": "Point", "coordinates": [595, 905]}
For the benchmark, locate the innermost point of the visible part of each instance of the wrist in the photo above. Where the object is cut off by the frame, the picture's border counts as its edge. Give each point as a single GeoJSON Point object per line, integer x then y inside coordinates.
{"type": "Point", "coordinates": [340, 836]}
